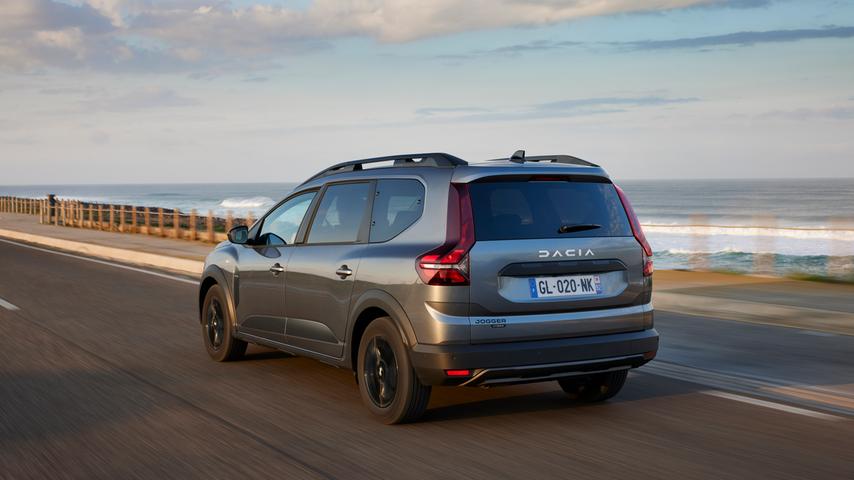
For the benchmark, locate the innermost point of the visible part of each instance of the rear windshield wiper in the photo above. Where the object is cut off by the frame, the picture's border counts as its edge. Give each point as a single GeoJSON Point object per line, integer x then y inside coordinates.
{"type": "Point", "coordinates": [578, 227]}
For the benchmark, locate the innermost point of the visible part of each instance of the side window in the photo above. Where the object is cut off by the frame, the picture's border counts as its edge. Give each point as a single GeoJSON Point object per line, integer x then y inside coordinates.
{"type": "Point", "coordinates": [398, 204]}
{"type": "Point", "coordinates": [340, 214]}
{"type": "Point", "coordinates": [281, 225]}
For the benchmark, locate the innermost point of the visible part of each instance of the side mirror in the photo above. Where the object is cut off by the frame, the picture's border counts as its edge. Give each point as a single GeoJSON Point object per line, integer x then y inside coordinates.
{"type": "Point", "coordinates": [239, 234]}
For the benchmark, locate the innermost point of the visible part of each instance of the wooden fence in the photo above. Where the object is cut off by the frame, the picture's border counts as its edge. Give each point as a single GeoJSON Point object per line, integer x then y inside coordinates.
{"type": "Point", "coordinates": [156, 221]}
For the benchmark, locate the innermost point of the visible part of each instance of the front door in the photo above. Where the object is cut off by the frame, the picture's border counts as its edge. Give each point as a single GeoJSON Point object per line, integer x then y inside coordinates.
{"type": "Point", "coordinates": [262, 269]}
{"type": "Point", "coordinates": [321, 272]}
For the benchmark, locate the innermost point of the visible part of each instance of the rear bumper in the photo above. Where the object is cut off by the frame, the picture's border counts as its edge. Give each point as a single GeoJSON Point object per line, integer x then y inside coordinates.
{"type": "Point", "coordinates": [533, 361]}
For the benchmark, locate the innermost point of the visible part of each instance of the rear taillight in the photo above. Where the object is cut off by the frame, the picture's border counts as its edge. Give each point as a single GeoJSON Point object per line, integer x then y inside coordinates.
{"type": "Point", "coordinates": [449, 264]}
{"type": "Point", "coordinates": [637, 231]}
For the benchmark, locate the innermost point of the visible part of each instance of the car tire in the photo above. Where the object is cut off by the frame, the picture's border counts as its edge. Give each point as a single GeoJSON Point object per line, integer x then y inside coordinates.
{"type": "Point", "coordinates": [388, 384]}
{"type": "Point", "coordinates": [218, 328]}
{"type": "Point", "coordinates": [597, 387]}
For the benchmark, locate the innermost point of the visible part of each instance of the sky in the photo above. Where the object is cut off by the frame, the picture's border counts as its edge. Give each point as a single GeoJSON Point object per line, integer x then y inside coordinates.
{"type": "Point", "coordinates": [176, 91]}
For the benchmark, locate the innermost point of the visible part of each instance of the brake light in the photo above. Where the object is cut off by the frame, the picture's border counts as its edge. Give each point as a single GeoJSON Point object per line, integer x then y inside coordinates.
{"type": "Point", "coordinates": [458, 373]}
{"type": "Point", "coordinates": [637, 231]}
{"type": "Point", "coordinates": [449, 263]}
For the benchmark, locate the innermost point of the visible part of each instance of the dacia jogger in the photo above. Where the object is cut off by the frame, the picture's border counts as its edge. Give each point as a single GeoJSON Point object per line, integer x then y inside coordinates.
{"type": "Point", "coordinates": [422, 269]}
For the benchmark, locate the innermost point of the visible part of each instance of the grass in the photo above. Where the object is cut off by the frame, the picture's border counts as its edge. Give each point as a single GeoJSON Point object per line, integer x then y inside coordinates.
{"type": "Point", "coordinates": [809, 277]}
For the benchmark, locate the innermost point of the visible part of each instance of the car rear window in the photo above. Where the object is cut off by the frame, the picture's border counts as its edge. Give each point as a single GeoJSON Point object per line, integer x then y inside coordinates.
{"type": "Point", "coordinates": [539, 209]}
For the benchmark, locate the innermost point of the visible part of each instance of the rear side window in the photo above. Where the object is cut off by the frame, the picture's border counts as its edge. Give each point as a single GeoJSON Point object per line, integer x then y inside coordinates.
{"type": "Point", "coordinates": [544, 209]}
{"type": "Point", "coordinates": [340, 214]}
{"type": "Point", "coordinates": [398, 204]}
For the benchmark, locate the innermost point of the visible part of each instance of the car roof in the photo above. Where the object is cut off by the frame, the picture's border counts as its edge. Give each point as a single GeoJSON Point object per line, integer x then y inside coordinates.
{"type": "Point", "coordinates": [428, 164]}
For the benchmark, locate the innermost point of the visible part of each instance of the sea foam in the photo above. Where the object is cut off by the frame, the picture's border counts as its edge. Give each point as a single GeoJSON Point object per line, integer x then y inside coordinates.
{"type": "Point", "coordinates": [246, 203]}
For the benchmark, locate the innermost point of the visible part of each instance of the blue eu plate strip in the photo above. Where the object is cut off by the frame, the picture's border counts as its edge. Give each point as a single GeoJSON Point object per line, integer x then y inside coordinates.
{"type": "Point", "coordinates": [533, 284]}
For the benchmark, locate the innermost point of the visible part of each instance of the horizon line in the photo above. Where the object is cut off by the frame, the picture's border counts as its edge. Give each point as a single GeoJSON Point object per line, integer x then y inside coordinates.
{"type": "Point", "coordinates": [674, 179]}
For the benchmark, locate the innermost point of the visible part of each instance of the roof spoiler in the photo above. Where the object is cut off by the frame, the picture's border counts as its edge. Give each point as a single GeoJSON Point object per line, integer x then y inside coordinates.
{"type": "Point", "coordinates": [520, 158]}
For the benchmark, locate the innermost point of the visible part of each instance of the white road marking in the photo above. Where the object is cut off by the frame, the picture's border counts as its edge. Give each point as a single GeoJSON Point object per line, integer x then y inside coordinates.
{"type": "Point", "coordinates": [7, 305]}
{"type": "Point", "coordinates": [772, 405]}
{"type": "Point", "coordinates": [104, 262]}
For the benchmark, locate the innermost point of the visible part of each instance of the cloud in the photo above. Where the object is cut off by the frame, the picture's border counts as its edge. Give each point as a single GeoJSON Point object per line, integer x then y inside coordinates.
{"type": "Point", "coordinates": [169, 35]}
{"type": "Point", "coordinates": [804, 114]}
{"type": "Point", "coordinates": [429, 112]}
{"type": "Point", "coordinates": [738, 39]}
{"type": "Point", "coordinates": [558, 109]}
{"type": "Point", "coordinates": [741, 39]}
{"type": "Point", "coordinates": [144, 99]}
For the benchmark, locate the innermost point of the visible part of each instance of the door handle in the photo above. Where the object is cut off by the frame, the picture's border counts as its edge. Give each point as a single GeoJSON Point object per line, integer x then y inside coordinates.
{"type": "Point", "coordinates": [344, 271]}
{"type": "Point", "coordinates": [277, 269]}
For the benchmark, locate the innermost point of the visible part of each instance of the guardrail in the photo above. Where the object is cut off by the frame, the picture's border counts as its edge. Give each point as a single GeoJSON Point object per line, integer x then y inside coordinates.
{"type": "Point", "coordinates": [764, 234]}
{"type": "Point", "coordinates": [157, 221]}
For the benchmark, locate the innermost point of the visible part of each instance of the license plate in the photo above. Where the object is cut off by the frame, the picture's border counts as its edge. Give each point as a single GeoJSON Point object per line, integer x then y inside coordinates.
{"type": "Point", "coordinates": [568, 286]}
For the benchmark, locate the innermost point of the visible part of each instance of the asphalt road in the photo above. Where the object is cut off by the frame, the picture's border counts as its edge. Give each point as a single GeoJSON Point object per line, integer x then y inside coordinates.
{"type": "Point", "coordinates": [103, 374]}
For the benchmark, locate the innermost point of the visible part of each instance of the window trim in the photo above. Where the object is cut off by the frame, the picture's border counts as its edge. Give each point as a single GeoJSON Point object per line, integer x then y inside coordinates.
{"type": "Point", "coordinates": [364, 228]}
{"type": "Point", "coordinates": [259, 224]}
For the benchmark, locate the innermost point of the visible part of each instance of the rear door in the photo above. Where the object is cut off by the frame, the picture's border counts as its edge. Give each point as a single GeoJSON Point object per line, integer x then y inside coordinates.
{"type": "Point", "coordinates": [322, 270]}
{"type": "Point", "coordinates": [554, 256]}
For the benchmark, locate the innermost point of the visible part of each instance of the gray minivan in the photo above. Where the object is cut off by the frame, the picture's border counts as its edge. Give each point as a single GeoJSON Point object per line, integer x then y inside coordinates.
{"type": "Point", "coordinates": [422, 269]}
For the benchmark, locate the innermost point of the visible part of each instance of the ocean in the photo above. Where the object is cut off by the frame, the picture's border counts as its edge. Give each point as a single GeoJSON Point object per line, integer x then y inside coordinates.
{"type": "Point", "coordinates": [802, 226]}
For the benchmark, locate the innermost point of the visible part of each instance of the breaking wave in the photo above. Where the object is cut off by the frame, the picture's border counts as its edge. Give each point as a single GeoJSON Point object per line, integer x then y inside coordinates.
{"type": "Point", "coordinates": [246, 203]}
{"type": "Point", "coordinates": [804, 233]}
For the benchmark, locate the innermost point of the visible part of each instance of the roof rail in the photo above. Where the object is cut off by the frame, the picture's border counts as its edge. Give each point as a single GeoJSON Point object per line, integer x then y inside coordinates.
{"type": "Point", "coordinates": [520, 157]}
{"type": "Point", "coordinates": [435, 159]}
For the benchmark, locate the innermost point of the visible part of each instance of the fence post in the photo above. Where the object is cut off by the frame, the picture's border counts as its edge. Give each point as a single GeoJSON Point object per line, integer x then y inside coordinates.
{"type": "Point", "coordinates": [100, 216]}
{"type": "Point", "coordinates": [229, 221]}
{"type": "Point", "coordinates": [837, 254]}
{"type": "Point", "coordinates": [764, 259]}
{"type": "Point", "coordinates": [176, 223]}
{"type": "Point", "coordinates": [80, 214]}
{"type": "Point", "coordinates": [122, 218]}
{"type": "Point", "coordinates": [132, 219]}
{"type": "Point", "coordinates": [160, 223]}
{"type": "Point", "coordinates": [91, 216]}
{"type": "Point", "coordinates": [193, 225]}
{"type": "Point", "coordinates": [147, 219]}
{"type": "Point", "coordinates": [209, 226]}
{"type": "Point", "coordinates": [249, 219]}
